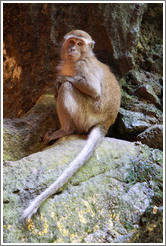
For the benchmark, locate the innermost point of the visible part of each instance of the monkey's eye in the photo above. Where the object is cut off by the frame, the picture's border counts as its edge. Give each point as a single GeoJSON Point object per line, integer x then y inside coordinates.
{"type": "Point", "coordinates": [80, 43]}
{"type": "Point", "coordinates": [71, 42]}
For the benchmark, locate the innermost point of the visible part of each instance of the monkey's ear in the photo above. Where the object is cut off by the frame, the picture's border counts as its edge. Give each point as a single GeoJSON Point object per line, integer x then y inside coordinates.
{"type": "Point", "coordinates": [92, 44]}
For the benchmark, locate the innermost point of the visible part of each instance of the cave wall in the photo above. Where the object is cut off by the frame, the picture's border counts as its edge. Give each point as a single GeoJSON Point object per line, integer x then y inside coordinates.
{"type": "Point", "coordinates": [32, 32]}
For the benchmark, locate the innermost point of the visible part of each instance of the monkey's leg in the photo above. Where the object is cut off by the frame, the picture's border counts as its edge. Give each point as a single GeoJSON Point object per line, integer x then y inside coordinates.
{"type": "Point", "coordinates": [65, 106]}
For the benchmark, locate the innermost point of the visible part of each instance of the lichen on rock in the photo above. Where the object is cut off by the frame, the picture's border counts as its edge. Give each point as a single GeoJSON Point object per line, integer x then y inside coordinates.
{"type": "Point", "coordinates": [103, 202]}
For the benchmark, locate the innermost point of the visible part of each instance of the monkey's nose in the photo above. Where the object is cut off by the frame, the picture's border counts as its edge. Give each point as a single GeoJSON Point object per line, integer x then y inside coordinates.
{"type": "Point", "coordinates": [73, 49]}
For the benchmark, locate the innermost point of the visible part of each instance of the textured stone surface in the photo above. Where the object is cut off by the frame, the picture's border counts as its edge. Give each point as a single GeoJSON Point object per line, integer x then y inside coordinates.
{"type": "Point", "coordinates": [21, 136]}
{"type": "Point", "coordinates": [147, 92]}
{"type": "Point", "coordinates": [153, 137]}
{"type": "Point", "coordinates": [141, 104]}
{"type": "Point", "coordinates": [103, 202]}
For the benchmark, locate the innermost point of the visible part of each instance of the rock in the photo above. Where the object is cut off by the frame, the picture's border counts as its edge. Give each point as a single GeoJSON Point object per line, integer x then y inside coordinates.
{"type": "Point", "coordinates": [141, 103]}
{"type": "Point", "coordinates": [21, 136]}
{"type": "Point", "coordinates": [140, 78]}
{"type": "Point", "coordinates": [151, 225]}
{"type": "Point", "coordinates": [33, 31]}
{"type": "Point", "coordinates": [103, 202]}
{"type": "Point", "coordinates": [152, 136]}
{"type": "Point", "coordinates": [139, 84]}
{"type": "Point", "coordinates": [118, 18]}
{"type": "Point", "coordinates": [146, 91]}
{"type": "Point", "coordinates": [132, 123]}
{"type": "Point", "coordinates": [150, 56]}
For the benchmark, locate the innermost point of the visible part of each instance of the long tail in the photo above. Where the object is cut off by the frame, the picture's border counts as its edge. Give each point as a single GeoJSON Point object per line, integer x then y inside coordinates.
{"type": "Point", "coordinates": [94, 137]}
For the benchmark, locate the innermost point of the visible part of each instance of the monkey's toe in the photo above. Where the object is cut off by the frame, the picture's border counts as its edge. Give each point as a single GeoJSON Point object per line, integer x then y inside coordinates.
{"type": "Point", "coordinates": [45, 138]}
{"type": "Point", "coordinates": [47, 141]}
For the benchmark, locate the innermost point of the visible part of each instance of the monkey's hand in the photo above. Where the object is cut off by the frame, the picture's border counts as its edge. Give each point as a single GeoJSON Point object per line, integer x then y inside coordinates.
{"type": "Point", "coordinates": [72, 79]}
{"type": "Point", "coordinates": [84, 86]}
{"type": "Point", "coordinates": [61, 79]}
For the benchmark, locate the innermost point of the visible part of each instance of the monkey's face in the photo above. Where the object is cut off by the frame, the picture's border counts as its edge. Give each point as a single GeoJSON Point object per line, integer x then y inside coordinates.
{"type": "Point", "coordinates": [74, 49]}
{"type": "Point", "coordinates": [76, 46]}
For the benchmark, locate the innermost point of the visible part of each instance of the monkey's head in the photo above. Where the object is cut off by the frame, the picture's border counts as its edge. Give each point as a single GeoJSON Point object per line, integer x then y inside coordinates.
{"type": "Point", "coordinates": [76, 45]}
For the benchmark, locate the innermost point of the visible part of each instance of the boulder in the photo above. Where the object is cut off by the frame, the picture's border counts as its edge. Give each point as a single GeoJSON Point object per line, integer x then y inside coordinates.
{"type": "Point", "coordinates": [130, 124]}
{"type": "Point", "coordinates": [152, 136]}
{"type": "Point", "coordinates": [21, 136]}
{"type": "Point", "coordinates": [147, 92]}
{"type": "Point", "coordinates": [103, 202]}
{"type": "Point", "coordinates": [141, 104]}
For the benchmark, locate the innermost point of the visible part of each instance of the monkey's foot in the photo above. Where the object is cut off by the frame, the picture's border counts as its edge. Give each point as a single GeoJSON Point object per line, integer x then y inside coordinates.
{"type": "Point", "coordinates": [52, 136]}
{"type": "Point", "coordinates": [46, 138]}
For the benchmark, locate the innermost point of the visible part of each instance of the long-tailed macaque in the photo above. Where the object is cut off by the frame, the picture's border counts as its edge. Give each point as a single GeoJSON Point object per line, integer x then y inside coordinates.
{"type": "Point", "coordinates": [88, 100]}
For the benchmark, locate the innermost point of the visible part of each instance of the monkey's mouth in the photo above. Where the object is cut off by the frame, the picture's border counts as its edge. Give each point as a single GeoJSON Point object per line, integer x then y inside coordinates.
{"type": "Point", "coordinates": [71, 53]}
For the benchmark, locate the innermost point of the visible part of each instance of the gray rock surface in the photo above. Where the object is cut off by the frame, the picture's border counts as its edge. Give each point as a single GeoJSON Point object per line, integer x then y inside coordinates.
{"type": "Point", "coordinates": [22, 135]}
{"type": "Point", "coordinates": [103, 202]}
{"type": "Point", "coordinates": [152, 136]}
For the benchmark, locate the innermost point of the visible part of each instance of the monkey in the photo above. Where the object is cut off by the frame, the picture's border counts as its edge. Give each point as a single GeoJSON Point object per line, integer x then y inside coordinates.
{"type": "Point", "coordinates": [87, 95]}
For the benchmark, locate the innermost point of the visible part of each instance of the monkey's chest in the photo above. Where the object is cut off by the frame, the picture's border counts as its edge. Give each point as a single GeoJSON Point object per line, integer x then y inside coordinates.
{"type": "Point", "coordinates": [67, 70]}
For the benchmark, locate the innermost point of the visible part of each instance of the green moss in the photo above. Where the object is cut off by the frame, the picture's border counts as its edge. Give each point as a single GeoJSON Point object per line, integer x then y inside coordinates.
{"type": "Point", "coordinates": [128, 225]}
{"type": "Point", "coordinates": [143, 172]}
{"type": "Point", "coordinates": [146, 168]}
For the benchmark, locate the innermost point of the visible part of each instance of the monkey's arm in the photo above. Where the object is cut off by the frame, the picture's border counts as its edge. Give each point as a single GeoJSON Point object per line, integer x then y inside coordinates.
{"type": "Point", "coordinates": [59, 80]}
{"type": "Point", "coordinates": [82, 85]}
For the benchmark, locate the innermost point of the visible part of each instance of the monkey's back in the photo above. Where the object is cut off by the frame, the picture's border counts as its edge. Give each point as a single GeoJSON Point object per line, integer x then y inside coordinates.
{"type": "Point", "coordinates": [110, 96]}
{"type": "Point", "coordinates": [97, 111]}
{"type": "Point", "coordinates": [106, 108]}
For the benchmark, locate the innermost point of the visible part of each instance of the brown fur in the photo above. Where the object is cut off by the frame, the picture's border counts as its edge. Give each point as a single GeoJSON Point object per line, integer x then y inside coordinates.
{"type": "Point", "coordinates": [88, 92]}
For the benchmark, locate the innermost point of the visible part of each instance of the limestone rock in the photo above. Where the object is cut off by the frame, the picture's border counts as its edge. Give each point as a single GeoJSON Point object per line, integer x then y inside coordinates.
{"type": "Point", "coordinates": [21, 136]}
{"type": "Point", "coordinates": [146, 91]}
{"type": "Point", "coordinates": [152, 136]}
{"type": "Point", "coordinates": [141, 77]}
{"type": "Point", "coordinates": [103, 202]}
{"type": "Point", "coordinates": [141, 103]}
{"type": "Point", "coordinates": [132, 123]}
